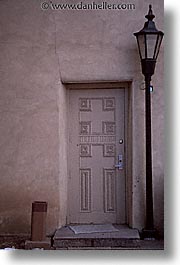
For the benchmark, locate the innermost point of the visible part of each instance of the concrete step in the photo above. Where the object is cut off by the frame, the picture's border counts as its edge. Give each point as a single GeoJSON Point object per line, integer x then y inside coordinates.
{"type": "Point", "coordinates": [125, 237]}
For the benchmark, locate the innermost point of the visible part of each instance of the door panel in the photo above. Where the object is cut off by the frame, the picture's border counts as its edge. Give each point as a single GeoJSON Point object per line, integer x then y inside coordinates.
{"type": "Point", "coordinates": [96, 188]}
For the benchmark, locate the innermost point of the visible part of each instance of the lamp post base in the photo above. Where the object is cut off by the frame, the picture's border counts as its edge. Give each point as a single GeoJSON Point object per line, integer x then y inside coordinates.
{"type": "Point", "coordinates": [149, 234]}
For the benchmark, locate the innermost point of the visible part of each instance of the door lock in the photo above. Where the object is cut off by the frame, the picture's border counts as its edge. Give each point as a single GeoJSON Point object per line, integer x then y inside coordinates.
{"type": "Point", "coordinates": [120, 164]}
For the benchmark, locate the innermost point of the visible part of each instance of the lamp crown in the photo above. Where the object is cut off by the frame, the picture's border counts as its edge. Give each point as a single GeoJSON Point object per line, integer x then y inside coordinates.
{"type": "Point", "coordinates": [150, 16]}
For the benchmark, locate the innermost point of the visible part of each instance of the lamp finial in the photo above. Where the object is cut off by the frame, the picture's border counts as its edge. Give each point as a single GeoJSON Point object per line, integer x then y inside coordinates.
{"type": "Point", "coordinates": [150, 16]}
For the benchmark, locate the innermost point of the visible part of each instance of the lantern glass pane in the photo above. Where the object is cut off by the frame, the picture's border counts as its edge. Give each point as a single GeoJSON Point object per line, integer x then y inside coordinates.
{"type": "Point", "coordinates": [151, 40]}
{"type": "Point", "coordinates": [159, 40]}
{"type": "Point", "coordinates": [142, 45]}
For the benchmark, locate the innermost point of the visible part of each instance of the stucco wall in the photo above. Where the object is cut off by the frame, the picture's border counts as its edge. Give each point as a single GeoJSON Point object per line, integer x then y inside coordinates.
{"type": "Point", "coordinates": [40, 50]}
{"type": "Point", "coordinates": [29, 106]}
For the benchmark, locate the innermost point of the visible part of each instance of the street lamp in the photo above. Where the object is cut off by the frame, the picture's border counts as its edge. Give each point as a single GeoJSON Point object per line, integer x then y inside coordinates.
{"type": "Point", "coordinates": [149, 41]}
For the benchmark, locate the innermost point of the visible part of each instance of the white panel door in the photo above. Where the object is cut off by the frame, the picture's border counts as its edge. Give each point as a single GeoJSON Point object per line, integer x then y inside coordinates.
{"type": "Point", "coordinates": [96, 188]}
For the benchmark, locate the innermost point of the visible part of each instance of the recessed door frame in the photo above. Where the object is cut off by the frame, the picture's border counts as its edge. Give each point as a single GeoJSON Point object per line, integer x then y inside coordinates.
{"type": "Point", "coordinates": [127, 129]}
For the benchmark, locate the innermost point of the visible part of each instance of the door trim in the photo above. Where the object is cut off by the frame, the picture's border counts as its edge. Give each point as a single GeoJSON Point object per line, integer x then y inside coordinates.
{"type": "Point", "coordinates": [127, 128]}
{"type": "Point", "coordinates": [97, 84]}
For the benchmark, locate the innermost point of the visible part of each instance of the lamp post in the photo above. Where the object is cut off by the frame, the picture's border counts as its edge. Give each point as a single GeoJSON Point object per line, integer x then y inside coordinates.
{"type": "Point", "coordinates": [149, 41]}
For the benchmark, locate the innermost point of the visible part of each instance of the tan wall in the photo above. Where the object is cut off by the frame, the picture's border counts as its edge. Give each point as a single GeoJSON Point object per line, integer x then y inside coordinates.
{"type": "Point", "coordinates": [39, 49]}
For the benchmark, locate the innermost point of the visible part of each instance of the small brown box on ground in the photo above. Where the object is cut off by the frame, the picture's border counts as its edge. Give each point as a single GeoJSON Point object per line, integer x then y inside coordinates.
{"type": "Point", "coordinates": [38, 221]}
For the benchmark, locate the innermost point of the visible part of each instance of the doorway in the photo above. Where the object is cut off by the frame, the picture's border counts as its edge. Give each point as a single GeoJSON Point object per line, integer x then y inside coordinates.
{"type": "Point", "coordinates": [96, 156]}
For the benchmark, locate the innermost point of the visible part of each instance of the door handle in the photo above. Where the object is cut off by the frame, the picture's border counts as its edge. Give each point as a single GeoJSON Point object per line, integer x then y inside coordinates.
{"type": "Point", "coordinates": [120, 164]}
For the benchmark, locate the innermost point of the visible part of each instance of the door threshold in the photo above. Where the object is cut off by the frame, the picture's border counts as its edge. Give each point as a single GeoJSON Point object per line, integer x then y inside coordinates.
{"type": "Point", "coordinates": [66, 238]}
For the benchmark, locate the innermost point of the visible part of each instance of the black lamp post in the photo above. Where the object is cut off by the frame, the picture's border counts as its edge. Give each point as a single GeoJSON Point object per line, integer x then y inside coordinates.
{"type": "Point", "coordinates": [149, 41]}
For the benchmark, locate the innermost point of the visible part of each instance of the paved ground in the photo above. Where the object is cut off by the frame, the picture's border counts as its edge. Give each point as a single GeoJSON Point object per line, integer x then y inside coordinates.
{"type": "Point", "coordinates": [65, 239]}
{"type": "Point", "coordinates": [142, 245]}
{"type": "Point", "coordinates": [15, 241]}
